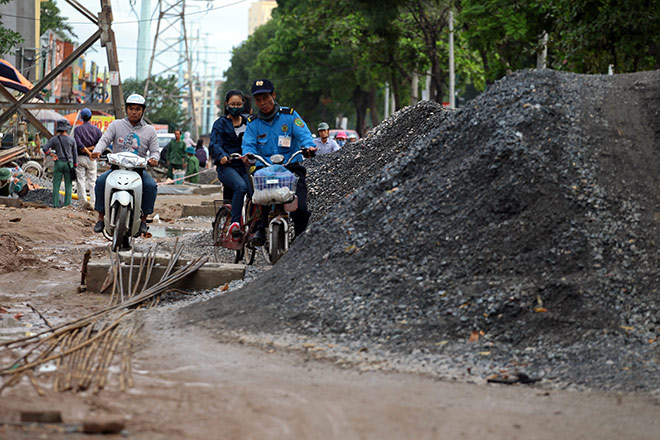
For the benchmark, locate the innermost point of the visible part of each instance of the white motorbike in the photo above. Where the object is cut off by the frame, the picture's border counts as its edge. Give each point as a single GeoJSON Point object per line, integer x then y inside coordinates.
{"type": "Point", "coordinates": [123, 199]}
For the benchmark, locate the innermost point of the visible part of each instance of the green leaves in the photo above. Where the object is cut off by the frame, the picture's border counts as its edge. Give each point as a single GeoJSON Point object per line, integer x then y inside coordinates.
{"type": "Point", "coordinates": [162, 100]}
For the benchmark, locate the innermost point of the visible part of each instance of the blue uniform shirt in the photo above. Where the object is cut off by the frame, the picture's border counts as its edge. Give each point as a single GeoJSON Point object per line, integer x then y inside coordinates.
{"type": "Point", "coordinates": [285, 134]}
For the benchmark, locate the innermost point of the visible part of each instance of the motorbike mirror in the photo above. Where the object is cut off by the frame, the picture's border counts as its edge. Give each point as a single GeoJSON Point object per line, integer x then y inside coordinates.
{"type": "Point", "coordinates": [277, 159]}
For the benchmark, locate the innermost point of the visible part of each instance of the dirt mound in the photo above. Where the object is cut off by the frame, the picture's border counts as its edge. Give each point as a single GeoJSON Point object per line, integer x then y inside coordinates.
{"type": "Point", "coordinates": [15, 254]}
{"type": "Point", "coordinates": [529, 217]}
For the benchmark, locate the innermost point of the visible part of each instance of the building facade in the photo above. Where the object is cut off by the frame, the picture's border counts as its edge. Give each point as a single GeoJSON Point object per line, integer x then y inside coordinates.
{"type": "Point", "coordinates": [23, 16]}
{"type": "Point", "coordinates": [259, 13]}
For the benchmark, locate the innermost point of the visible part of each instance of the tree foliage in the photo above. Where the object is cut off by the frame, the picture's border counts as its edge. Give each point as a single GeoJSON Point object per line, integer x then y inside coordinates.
{"type": "Point", "coordinates": [52, 20]}
{"type": "Point", "coordinates": [331, 58]}
{"type": "Point", "coordinates": [8, 38]}
{"type": "Point", "coordinates": [162, 101]}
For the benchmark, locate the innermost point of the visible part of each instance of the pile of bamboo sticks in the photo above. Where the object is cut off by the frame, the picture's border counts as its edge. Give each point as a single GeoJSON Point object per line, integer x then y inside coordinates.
{"type": "Point", "coordinates": [83, 350]}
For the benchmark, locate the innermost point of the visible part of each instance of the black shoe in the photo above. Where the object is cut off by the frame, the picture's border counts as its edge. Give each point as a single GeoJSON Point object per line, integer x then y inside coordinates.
{"type": "Point", "coordinates": [143, 228]}
{"type": "Point", "coordinates": [98, 227]}
{"type": "Point", "coordinates": [259, 238]}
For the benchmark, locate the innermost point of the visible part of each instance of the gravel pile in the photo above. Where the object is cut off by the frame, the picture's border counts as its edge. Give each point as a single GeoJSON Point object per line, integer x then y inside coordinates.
{"type": "Point", "coordinates": [44, 195]}
{"type": "Point", "coordinates": [516, 233]}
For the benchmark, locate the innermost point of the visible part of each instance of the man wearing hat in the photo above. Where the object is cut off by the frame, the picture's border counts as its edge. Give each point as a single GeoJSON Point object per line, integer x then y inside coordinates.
{"type": "Point", "coordinates": [192, 166]}
{"type": "Point", "coordinates": [5, 181]}
{"type": "Point", "coordinates": [278, 130]}
{"type": "Point", "coordinates": [64, 151]}
{"type": "Point", "coordinates": [323, 143]}
{"type": "Point", "coordinates": [86, 135]}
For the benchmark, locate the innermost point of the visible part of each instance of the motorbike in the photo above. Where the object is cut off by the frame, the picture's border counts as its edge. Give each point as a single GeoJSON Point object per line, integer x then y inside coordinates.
{"type": "Point", "coordinates": [123, 199]}
{"type": "Point", "coordinates": [277, 190]}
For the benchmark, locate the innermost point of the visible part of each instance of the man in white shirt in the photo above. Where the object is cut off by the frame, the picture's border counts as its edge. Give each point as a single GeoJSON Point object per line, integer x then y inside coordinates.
{"type": "Point", "coordinates": [323, 143]}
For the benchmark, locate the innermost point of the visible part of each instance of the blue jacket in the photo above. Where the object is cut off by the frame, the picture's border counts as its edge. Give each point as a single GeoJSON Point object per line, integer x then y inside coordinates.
{"type": "Point", "coordinates": [268, 138]}
{"type": "Point", "coordinates": [224, 140]}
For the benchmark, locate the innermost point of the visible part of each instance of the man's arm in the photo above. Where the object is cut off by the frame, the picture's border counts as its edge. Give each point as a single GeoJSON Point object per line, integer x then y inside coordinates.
{"type": "Point", "coordinates": [301, 132]}
{"type": "Point", "coordinates": [249, 145]}
{"type": "Point", "coordinates": [75, 151]}
{"type": "Point", "coordinates": [105, 140]}
{"type": "Point", "coordinates": [154, 154]}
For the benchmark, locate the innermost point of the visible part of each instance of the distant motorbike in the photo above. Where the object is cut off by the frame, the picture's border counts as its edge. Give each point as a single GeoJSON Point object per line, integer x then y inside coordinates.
{"type": "Point", "coordinates": [123, 199]}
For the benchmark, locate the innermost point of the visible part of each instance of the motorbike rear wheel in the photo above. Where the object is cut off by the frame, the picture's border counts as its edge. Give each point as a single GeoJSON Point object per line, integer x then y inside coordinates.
{"type": "Point", "coordinates": [120, 234]}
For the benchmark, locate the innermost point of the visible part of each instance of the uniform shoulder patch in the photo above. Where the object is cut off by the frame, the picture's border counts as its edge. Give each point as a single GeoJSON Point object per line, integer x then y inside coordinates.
{"type": "Point", "coordinates": [299, 122]}
{"type": "Point", "coordinates": [251, 118]}
{"type": "Point", "coordinates": [286, 110]}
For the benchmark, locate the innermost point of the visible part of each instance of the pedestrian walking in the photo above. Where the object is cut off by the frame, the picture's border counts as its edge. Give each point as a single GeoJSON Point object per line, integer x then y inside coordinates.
{"type": "Point", "coordinates": [87, 136]}
{"type": "Point", "coordinates": [176, 154]}
{"type": "Point", "coordinates": [192, 166]}
{"type": "Point", "coordinates": [202, 153]}
{"type": "Point", "coordinates": [64, 151]}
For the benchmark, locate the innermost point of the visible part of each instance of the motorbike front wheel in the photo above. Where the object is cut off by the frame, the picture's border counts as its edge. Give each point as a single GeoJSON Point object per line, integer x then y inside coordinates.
{"type": "Point", "coordinates": [276, 242]}
{"type": "Point", "coordinates": [120, 234]}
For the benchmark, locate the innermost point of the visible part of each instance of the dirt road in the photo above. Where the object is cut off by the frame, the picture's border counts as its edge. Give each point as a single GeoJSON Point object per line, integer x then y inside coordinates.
{"type": "Point", "coordinates": [188, 385]}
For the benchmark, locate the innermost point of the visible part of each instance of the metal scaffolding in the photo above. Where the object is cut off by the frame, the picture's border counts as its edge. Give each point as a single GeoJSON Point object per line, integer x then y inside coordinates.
{"type": "Point", "coordinates": [171, 17]}
{"type": "Point", "coordinates": [107, 37]}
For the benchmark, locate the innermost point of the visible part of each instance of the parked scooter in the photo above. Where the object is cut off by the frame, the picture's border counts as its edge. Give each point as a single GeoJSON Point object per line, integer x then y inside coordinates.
{"type": "Point", "coordinates": [123, 199]}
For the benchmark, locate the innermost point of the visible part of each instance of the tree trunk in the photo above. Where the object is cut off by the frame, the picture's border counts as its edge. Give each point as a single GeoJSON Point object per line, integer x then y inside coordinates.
{"type": "Point", "coordinates": [361, 102]}
{"type": "Point", "coordinates": [373, 106]}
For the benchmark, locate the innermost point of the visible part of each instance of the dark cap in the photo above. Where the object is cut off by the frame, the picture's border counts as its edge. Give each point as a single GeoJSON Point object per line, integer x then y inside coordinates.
{"type": "Point", "coordinates": [62, 125]}
{"type": "Point", "coordinates": [262, 86]}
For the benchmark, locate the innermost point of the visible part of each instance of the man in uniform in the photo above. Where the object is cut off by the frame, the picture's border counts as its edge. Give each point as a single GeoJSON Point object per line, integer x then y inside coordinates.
{"type": "Point", "coordinates": [278, 130]}
{"type": "Point", "coordinates": [130, 134]}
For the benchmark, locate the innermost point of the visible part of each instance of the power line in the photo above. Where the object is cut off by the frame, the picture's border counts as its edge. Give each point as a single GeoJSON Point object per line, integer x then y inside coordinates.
{"type": "Point", "coordinates": [135, 21]}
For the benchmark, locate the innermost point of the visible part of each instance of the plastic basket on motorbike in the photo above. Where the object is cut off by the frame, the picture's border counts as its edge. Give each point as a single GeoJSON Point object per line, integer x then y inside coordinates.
{"type": "Point", "coordinates": [274, 184]}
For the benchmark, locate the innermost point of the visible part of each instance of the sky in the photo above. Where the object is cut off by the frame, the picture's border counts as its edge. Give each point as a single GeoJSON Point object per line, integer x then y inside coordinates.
{"type": "Point", "coordinates": [220, 24]}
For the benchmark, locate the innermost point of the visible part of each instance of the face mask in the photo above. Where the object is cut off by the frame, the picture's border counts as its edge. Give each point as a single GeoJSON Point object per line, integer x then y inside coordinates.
{"type": "Point", "coordinates": [234, 111]}
{"type": "Point", "coordinates": [341, 143]}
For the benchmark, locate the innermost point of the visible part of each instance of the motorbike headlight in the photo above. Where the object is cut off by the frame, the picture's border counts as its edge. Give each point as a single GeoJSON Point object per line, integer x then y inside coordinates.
{"type": "Point", "coordinates": [277, 159]}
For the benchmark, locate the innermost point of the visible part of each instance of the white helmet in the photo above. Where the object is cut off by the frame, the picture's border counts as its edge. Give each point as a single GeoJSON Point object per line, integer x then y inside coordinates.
{"type": "Point", "coordinates": [138, 99]}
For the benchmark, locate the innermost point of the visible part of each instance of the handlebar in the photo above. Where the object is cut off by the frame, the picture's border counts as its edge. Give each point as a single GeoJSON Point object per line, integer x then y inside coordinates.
{"type": "Point", "coordinates": [304, 151]}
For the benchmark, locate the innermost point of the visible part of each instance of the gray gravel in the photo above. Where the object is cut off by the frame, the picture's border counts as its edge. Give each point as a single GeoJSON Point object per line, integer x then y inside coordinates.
{"type": "Point", "coordinates": [526, 219]}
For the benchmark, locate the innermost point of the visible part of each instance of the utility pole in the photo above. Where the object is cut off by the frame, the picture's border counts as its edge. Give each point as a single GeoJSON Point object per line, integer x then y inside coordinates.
{"type": "Point", "coordinates": [452, 76]}
{"type": "Point", "coordinates": [108, 41]}
{"type": "Point", "coordinates": [144, 37]}
{"type": "Point", "coordinates": [211, 108]}
{"type": "Point", "coordinates": [542, 55]}
{"type": "Point", "coordinates": [171, 15]}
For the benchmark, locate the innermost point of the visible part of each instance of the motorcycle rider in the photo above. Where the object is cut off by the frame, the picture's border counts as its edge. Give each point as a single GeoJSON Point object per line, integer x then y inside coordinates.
{"type": "Point", "coordinates": [323, 143]}
{"type": "Point", "coordinates": [135, 135]}
{"type": "Point", "coordinates": [278, 130]}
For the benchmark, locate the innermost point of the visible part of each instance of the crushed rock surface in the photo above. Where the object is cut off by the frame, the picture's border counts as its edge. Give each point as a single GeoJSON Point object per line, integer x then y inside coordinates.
{"type": "Point", "coordinates": [516, 234]}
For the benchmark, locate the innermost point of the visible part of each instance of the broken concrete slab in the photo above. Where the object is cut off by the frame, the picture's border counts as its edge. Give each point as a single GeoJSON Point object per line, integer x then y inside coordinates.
{"type": "Point", "coordinates": [209, 276]}
{"type": "Point", "coordinates": [203, 190]}
{"type": "Point", "coordinates": [11, 201]}
{"type": "Point", "coordinates": [198, 211]}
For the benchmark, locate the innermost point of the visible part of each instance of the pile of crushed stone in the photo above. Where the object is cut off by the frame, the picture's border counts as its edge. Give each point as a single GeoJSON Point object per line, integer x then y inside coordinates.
{"type": "Point", "coordinates": [518, 232]}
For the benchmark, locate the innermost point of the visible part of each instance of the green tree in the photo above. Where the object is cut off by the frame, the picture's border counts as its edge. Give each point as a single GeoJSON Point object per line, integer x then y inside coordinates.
{"type": "Point", "coordinates": [8, 38]}
{"type": "Point", "coordinates": [592, 34]}
{"type": "Point", "coordinates": [505, 33]}
{"type": "Point", "coordinates": [162, 101]}
{"type": "Point", "coordinates": [52, 20]}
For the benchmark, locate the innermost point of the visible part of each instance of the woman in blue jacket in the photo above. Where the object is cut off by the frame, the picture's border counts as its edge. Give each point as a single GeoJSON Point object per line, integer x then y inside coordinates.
{"type": "Point", "coordinates": [226, 138]}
